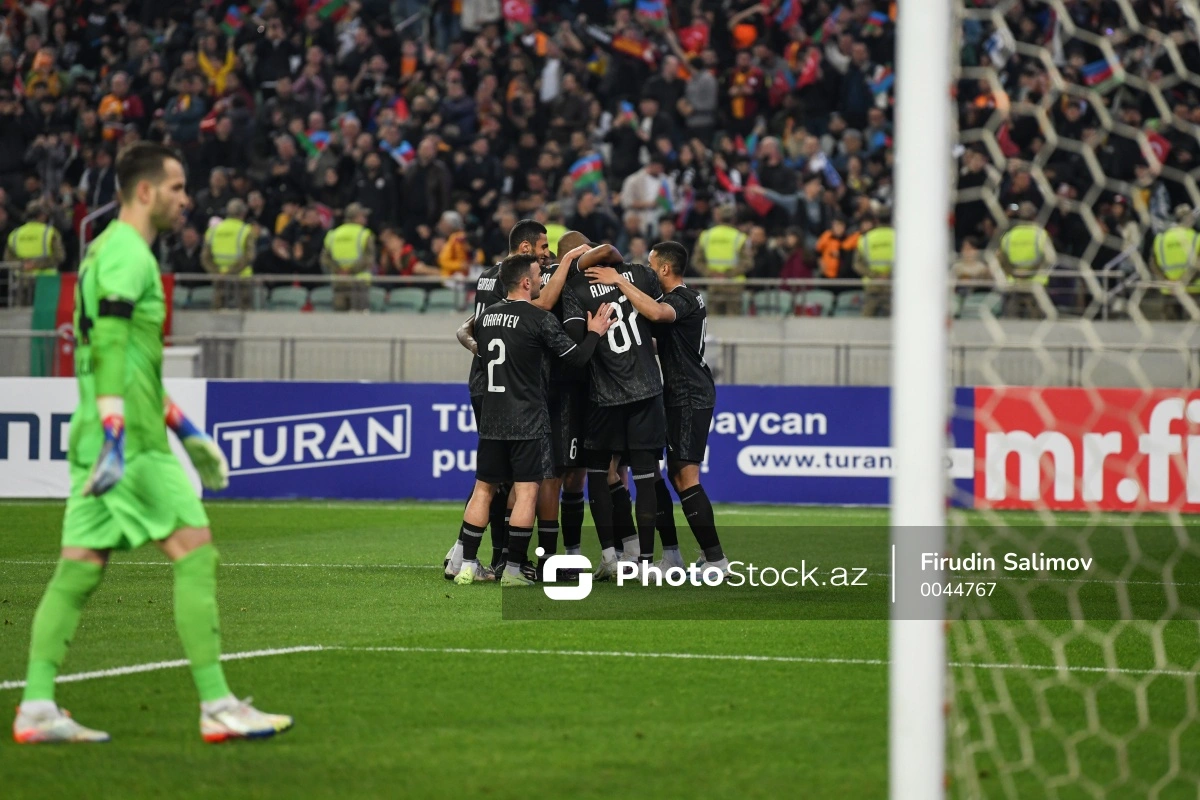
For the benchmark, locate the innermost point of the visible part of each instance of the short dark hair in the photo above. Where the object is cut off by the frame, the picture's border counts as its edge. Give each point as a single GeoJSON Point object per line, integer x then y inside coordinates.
{"type": "Point", "coordinates": [515, 269]}
{"type": "Point", "coordinates": [527, 230]}
{"type": "Point", "coordinates": [674, 254]}
{"type": "Point", "coordinates": [142, 161]}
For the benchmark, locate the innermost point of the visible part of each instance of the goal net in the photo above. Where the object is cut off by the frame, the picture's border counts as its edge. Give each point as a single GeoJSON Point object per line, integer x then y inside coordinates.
{"type": "Point", "coordinates": [1073, 671]}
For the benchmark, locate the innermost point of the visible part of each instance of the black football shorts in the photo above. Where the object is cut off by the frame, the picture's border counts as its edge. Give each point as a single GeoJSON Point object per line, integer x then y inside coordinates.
{"type": "Point", "coordinates": [633, 426]}
{"type": "Point", "coordinates": [513, 460]}
{"type": "Point", "coordinates": [687, 433]}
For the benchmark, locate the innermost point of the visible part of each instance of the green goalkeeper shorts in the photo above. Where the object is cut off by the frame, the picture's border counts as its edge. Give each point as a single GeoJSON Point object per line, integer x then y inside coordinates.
{"type": "Point", "coordinates": [153, 499]}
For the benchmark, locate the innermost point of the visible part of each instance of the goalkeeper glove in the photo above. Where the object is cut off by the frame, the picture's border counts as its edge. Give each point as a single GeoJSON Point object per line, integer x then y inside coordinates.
{"type": "Point", "coordinates": [206, 457]}
{"type": "Point", "coordinates": [110, 464]}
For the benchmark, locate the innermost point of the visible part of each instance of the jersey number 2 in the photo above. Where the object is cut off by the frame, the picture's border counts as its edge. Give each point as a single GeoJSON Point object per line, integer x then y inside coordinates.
{"type": "Point", "coordinates": [495, 344]}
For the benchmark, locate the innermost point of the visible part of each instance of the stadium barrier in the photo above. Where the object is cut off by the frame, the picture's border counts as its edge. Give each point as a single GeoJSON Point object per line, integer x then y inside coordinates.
{"type": "Point", "coordinates": [768, 444]}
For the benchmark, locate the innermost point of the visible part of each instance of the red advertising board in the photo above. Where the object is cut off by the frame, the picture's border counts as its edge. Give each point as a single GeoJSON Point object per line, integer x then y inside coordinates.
{"type": "Point", "coordinates": [1087, 449]}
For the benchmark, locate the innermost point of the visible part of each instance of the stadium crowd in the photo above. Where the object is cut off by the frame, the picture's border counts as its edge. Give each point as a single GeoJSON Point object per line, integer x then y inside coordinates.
{"type": "Point", "coordinates": [632, 121]}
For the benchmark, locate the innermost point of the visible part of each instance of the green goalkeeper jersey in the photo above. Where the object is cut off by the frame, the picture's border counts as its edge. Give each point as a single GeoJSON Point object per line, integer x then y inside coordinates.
{"type": "Point", "coordinates": [119, 314]}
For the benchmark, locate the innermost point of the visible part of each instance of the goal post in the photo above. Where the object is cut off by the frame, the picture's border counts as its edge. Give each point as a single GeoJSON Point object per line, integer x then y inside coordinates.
{"type": "Point", "coordinates": [920, 388]}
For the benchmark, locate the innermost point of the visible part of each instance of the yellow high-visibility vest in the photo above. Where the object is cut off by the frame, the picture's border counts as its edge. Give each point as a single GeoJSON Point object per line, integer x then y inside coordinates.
{"type": "Point", "coordinates": [1025, 247]}
{"type": "Point", "coordinates": [228, 241]}
{"type": "Point", "coordinates": [345, 244]}
{"type": "Point", "coordinates": [878, 248]}
{"type": "Point", "coordinates": [1175, 251]}
{"type": "Point", "coordinates": [32, 241]}
{"type": "Point", "coordinates": [554, 232]}
{"type": "Point", "coordinates": [722, 244]}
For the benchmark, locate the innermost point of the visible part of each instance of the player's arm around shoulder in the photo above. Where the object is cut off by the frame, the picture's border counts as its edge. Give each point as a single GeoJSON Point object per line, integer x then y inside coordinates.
{"type": "Point", "coordinates": [649, 307]}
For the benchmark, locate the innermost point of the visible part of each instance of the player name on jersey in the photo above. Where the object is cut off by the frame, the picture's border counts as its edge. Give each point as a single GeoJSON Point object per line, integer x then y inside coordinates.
{"type": "Point", "coordinates": [500, 320]}
{"type": "Point", "coordinates": [599, 290]}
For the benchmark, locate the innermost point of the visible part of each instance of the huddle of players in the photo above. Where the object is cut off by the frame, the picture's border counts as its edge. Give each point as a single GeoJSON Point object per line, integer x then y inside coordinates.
{"type": "Point", "coordinates": [566, 389]}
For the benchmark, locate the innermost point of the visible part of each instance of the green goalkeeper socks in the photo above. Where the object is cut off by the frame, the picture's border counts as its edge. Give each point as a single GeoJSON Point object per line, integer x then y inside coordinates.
{"type": "Point", "coordinates": [55, 622]}
{"type": "Point", "coordinates": [197, 622]}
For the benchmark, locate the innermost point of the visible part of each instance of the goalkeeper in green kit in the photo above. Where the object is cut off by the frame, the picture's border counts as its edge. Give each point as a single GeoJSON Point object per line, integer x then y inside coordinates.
{"type": "Point", "coordinates": [127, 488]}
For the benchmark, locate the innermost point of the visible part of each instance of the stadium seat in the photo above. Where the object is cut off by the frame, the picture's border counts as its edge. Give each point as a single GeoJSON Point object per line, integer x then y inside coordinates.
{"type": "Point", "coordinates": [849, 304]}
{"type": "Point", "coordinates": [377, 298]}
{"type": "Point", "coordinates": [180, 296]}
{"type": "Point", "coordinates": [774, 302]}
{"type": "Point", "coordinates": [974, 304]}
{"type": "Point", "coordinates": [201, 297]}
{"type": "Point", "coordinates": [441, 300]}
{"type": "Point", "coordinates": [287, 298]}
{"type": "Point", "coordinates": [321, 298]}
{"type": "Point", "coordinates": [406, 298]}
{"type": "Point", "coordinates": [814, 303]}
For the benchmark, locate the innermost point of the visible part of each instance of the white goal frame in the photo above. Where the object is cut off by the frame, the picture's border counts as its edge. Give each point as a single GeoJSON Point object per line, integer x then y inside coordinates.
{"type": "Point", "coordinates": [923, 126]}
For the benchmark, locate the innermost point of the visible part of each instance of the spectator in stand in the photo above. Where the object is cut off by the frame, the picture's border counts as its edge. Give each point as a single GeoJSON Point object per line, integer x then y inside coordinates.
{"type": "Point", "coordinates": [98, 186]}
{"type": "Point", "coordinates": [427, 187]}
{"type": "Point", "coordinates": [184, 255]}
{"type": "Point", "coordinates": [834, 250]}
{"type": "Point", "coordinates": [767, 260]}
{"type": "Point", "coordinates": [592, 221]}
{"type": "Point", "coordinates": [399, 259]}
{"type": "Point", "coordinates": [642, 194]}
{"type": "Point", "coordinates": [457, 255]}
{"type": "Point", "coordinates": [797, 270]}
{"type": "Point", "coordinates": [119, 108]}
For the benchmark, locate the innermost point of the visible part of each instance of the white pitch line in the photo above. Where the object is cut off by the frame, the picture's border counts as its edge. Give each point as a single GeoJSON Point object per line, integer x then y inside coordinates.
{"type": "Point", "coordinates": [814, 660]}
{"type": "Point", "coordinates": [155, 666]}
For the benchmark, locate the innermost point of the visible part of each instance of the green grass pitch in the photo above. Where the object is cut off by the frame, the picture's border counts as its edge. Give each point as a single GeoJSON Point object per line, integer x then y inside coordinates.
{"type": "Point", "coordinates": [455, 701]}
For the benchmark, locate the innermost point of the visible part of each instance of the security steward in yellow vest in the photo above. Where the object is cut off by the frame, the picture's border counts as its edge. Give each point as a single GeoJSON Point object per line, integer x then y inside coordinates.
{"type": "Point", "coordinates": [1026, 255]}
{"type": "Point", "coordinates": [1173, 258]}
{"type": "Point", "coordinates": [875, 260]}
{"type": "Point", "coordinates": [722, 254]}
{"type": "Point", "coordinates": [349, 256]}
{"type": "Point", "coordinates": [227, 255]}
{"type": "Point", "coordinates": [38, 246]}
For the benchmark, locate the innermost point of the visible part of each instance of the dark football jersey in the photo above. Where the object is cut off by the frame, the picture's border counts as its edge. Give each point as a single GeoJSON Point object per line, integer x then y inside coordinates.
{"type": "Point", "coordinates": [516, 342]}
{"type": "Point", "coordinates": [547, 274]}
{"type": "Point", "coordinates": [687, 380]}
{"type": "Point", "coordinates": [488, 292]}
{"type": "Point", "coordinates": [624, 369]}
{"type": "Point", "coordinates": [560, 372]}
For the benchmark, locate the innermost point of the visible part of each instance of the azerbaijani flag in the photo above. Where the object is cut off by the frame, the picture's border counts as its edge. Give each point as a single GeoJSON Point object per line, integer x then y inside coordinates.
{"type": "Point", "coordinates": [587, 171]}
{"type": "Point", "coordinates": [663, 201]}
{"type": "Point", "coordinates": [626, 115]}
{"type": "Point", "coordinates": [1096, 72]}
{"type": "Point", "coordinates": [875, 22]}
{"type": "Point", "coordinates": [233, 21]}
{"type": "Point", "coordinates": [330, 9]}
{"type": "Point", "coordinates": [828, 26]}
{"type": "Point", "coordinates": [652, 12]}
{"type": "Point", "coordinates": [882, 83]}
